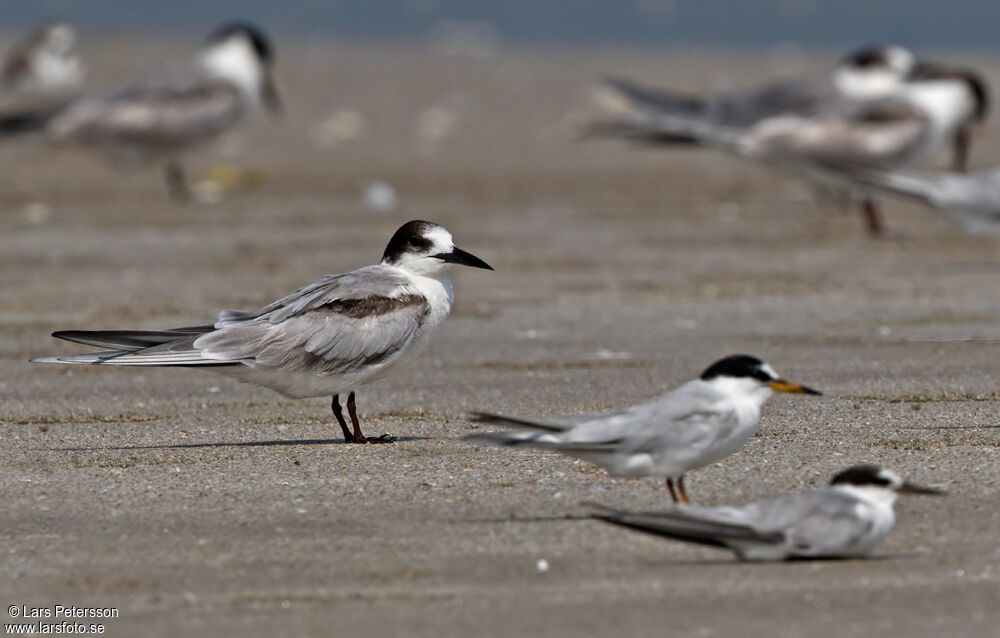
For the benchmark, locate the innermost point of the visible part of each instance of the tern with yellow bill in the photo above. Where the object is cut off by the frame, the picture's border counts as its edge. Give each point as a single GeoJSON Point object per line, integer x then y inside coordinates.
{"type": "Point", "coordinates": [849, 518]}
{"type": "Point", "coordinates": [691, 426]}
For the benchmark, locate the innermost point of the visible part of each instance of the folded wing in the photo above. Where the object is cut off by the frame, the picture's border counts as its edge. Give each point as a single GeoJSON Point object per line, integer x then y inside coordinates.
{"type": "Point", "coordinates": [339, 324]}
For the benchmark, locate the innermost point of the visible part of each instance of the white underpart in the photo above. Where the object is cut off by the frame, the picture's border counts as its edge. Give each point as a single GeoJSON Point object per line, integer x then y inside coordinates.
{"type": "Point", "coordinates": [235, 60]}
{"type": "Point", "coordinates": [875, 505]}
{"type": "Point", "coordinates": [900, 60]}
{"type": "Point", "coordinates": [55, 72]}
{"type": "Point", "coordinates": [949, 105]}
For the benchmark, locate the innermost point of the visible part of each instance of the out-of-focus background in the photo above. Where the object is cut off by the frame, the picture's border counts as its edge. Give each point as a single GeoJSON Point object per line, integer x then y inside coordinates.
{"type": "Point", "coordinates": [199, 506]}
{"type": "Point", "coordinates": [960, 24]}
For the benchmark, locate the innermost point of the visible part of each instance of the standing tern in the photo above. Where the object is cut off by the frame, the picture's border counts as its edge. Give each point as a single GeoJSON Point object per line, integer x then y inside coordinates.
{"type": "Point", "coordinates": [848, 518]}
{"type": "Point", "coordinates": [882, 114]}
{"type": "Point", "coordinates": [691, 426]}
{"type": "Point", "coordinates": [158, 120]}
{"type": "Point", "coordinates": [324, 339]}
{"type": "Point", "coordinates": [39, 75]}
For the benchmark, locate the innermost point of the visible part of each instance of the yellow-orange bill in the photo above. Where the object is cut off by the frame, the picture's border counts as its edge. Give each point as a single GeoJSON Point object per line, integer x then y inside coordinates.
{"type": "Point", "coordinates": [782, 385]}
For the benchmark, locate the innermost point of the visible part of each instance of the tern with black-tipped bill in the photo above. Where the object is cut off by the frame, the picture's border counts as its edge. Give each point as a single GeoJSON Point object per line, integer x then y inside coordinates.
{"type": "Point", "coordinates": [324, 339]}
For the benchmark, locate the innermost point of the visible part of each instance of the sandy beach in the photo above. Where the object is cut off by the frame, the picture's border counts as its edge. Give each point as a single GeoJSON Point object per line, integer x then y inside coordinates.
{"type": "Point", "coordinates": [195, 505]}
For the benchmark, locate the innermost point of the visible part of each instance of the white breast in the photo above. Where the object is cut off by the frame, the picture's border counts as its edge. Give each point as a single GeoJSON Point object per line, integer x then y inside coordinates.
{"type": "Point", "coordinates": [949, 105]}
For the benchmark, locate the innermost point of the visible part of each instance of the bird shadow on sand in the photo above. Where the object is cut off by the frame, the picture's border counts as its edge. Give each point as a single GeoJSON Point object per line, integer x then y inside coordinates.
{"type": "Point", "coordinates": [952, 427]}
{"type": "Point", "coordinates": [185, 446]}
{"type": "Point", "coordinates": [731, 561]}
{"type": "Point", "coordinates": [492, 520]}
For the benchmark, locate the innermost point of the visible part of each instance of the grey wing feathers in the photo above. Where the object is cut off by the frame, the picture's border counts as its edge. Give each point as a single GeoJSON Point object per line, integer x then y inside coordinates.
{"type": "Point", "coordinates": [872, 133]}
{"type": "Point", "coordinates": [336, 325]}
{"type": "Point", "coordinates": [158, 113]}
{"type": "Point", "coordinates": [739, 109]}
{"type": "Point", "coordinates": [689, 528]}
{"type": "Point", "coordinates": [830, 524]}
{"type": "Point", "coordinates": [657, 99]}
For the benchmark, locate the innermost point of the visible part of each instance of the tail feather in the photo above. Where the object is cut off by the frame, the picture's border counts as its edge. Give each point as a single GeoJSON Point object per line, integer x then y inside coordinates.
{"type": "Point", "coordinates": [668, 128]}
{"type": "Point", "coordinates": [639, 132]}
{"type": "Point", "coordinates": [488, 417]}
{"type": "Point", "coordinates": [899, 183]}
{"type": "Point", "coordinates": [129, 339]}
{"type": "Point", "coordinates": [21, 123]}
{"type": "Point", "coordinates": [137, 348]}
{"type": "Point", "coordinates": [656, 99]}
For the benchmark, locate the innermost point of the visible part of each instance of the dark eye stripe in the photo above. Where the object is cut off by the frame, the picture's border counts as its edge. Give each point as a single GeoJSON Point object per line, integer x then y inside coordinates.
{"type": "Point", "coordinates": [411, 237]}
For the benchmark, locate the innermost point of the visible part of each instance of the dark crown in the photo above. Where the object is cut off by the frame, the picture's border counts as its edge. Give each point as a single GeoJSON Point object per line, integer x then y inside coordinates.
{"type": "Point", "coordinates": [737, 365]}
{"type": "Point", "coordinates": [260, 42]}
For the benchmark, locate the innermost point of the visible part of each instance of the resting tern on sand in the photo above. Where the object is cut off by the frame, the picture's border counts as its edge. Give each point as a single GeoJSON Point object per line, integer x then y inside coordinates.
{"type": "Point", "coordinates": [885, 110]}
{"type": "Point", "coordinates": [39, 75]}
{"type": "Point", "coordinates": [848, 518]}
{"type": "Point", "coordinates": [691, 426]}
{"type": "Point", "coordinates": [325, 339]}
{"type": "Point", "coordinates": [158, 120]}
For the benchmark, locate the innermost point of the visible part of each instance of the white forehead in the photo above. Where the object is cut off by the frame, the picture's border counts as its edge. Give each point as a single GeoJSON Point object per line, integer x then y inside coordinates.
{"type": "Point", "coordinates": [768, 370]}
{"type": "Point", "coordinates": [60, 36]}
{"type": "Point", "coordinates": [889, 475]}
{"type": "Point", "coordinates": [900, 59]}
{"type": "Point", "coordinates": [235, 60]}
{"type": "Point", "coordinates": [440, 237]}
{"type": "Point", "coordinates": [234, 44]}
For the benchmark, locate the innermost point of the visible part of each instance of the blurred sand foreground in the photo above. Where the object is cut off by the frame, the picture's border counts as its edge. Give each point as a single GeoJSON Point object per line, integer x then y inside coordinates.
{"type": "Point", "coordinates": [197, 506]}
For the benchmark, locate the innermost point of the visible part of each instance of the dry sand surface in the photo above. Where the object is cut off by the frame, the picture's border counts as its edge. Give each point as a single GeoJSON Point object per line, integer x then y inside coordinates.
{"type": "Point", "coordinates": [199, 506]}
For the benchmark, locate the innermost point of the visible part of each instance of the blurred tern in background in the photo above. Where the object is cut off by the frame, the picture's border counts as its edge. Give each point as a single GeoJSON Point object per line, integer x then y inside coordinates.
{"type": "Point", "coordinates": [327, 338]}
{"type": "Point", "coordinates": [39, 75]}
{"type": "Point", "coordinates": [848, 518]}
{"type": "Point", "coordinates": [884, 109]}
{"type": "Point", "coordinates": [158, 120]}
{"type": "Point", "coordinates": [872, 72]}
{"type": "Point", "coordinates": [691, 426]}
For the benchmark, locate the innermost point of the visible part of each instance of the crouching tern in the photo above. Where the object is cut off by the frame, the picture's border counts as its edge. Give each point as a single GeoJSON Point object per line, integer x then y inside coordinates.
{"type": "Point", "coordinates": [848, 518]}
{"type": "Point", "coordinates": [158, 120]}
{"type": "Point", "coordinates": [691, 426]}
{"type": "Point", "coordinates": [324, 339]}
